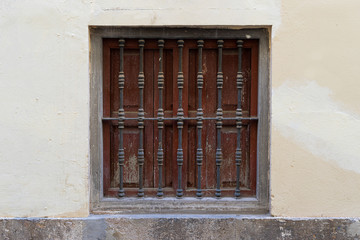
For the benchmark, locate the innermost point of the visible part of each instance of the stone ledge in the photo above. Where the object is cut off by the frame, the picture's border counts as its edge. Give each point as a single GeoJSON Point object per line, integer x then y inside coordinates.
{"type": "Point", "coordinates": [179, 227]}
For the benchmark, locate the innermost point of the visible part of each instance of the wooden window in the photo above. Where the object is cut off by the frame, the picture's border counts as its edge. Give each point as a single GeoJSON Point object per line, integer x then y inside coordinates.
{"type": "Point", "coordinates": [220, 126]}
{"type": "Point", "coordinates": [131, 132]}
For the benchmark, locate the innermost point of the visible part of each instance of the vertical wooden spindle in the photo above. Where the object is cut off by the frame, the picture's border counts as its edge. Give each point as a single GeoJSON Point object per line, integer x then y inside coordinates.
{"type": "Point", "coordinates": [239, 84]}
{"type": "Point", "coordinates": [160, 153]}
{"type": "Point", "coordinates": [219, 118]}
{"type": "Point", "coordinates": [141, 116]}
{"type": "Point", "coordinates": [180, 121]}
{"type": "Point", "coordinates": [121, 114]}
{"type": "Point", "coordinates": [199, 115]}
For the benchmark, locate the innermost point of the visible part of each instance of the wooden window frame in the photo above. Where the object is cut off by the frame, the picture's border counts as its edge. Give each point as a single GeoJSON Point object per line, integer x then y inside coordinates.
{"type": "Point", "coordinates": [99, 204]}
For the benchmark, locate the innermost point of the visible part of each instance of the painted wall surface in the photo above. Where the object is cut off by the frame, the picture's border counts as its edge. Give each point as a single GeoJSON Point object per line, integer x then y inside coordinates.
{"type": "Point", "coordinates": [315, 110]}
{"type": "Point", "coordinates": [44, 98]}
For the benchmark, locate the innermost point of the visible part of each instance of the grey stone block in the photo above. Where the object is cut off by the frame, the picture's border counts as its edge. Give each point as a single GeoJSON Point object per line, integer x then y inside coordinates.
{"type": "Point", "coordinates": [134, 227]}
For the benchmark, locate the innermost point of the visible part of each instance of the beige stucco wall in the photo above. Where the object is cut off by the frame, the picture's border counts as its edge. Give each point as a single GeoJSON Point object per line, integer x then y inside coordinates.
{"type": "Point", "coordinates": [44, 98]}
{"type": "Point", "coordinates": [315, 109]}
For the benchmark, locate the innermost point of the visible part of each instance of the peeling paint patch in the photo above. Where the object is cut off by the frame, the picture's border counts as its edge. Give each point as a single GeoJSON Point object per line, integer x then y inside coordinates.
{"type": "Point", "coordinates": [132, 173]}
{"type": "Point", "coordinates": [308, 115]}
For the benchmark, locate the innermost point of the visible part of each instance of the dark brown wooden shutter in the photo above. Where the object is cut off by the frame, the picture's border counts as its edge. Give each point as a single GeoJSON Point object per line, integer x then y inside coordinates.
{"type": "Point", "coordinates": [190, 96]}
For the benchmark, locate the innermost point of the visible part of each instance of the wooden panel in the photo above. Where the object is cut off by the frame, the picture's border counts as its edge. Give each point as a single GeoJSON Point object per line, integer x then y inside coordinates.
{"type": "Point", "coordinates": [106, 113]}
{"type": "Point", "coordinates": [192, 107]}
{"type": "Point", "coordinates": [131, 105]}
{"type": "Point", "coordinates": [168, 108]}
{"type": "Point", "coordinates": [209, 106]}
{"type": "Point", "coordinates": [170, 138]}
{"type": "Point", "coordinates": [229, 102]}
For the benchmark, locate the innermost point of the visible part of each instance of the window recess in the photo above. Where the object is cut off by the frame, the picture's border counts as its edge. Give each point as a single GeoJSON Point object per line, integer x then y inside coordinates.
{"type": "Point", "coordinates": [182, 118]}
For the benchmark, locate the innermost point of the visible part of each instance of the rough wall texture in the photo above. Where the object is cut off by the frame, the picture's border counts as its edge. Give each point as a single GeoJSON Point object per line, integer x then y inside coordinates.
{"type": "Point", "coordinates": [44, 98]}
{"type": "Point", "coordinates": [185, 227]}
